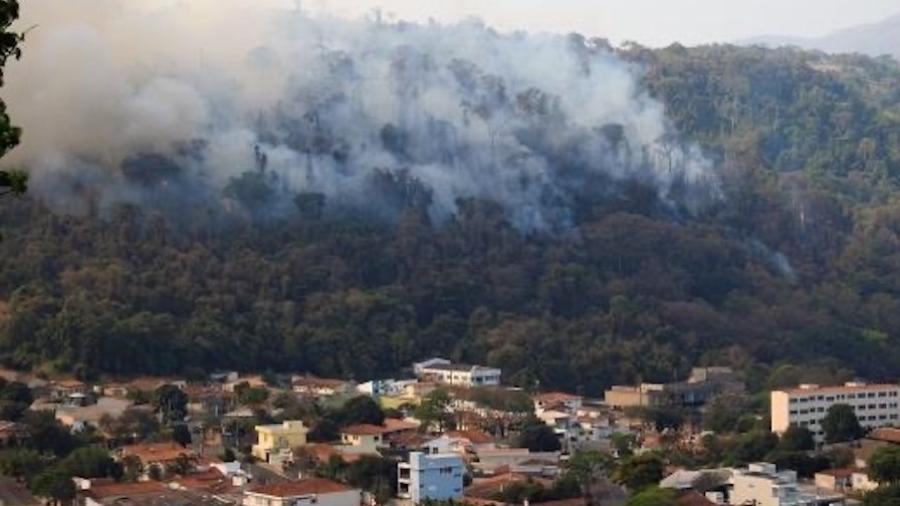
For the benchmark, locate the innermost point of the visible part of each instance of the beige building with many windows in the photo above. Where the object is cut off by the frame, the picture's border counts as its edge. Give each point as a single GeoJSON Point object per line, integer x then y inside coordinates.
{"type": "Point", "coordinates": [806, 406]}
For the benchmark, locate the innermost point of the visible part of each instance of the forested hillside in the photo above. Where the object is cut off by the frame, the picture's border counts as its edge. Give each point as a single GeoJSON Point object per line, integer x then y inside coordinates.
{"type": "Point", "coordinates": [796, 260]}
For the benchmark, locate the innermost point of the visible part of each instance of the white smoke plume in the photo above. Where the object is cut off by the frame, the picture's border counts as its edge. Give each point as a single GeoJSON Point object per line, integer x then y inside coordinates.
{"type": "Point", "coordinates": [120, 99]}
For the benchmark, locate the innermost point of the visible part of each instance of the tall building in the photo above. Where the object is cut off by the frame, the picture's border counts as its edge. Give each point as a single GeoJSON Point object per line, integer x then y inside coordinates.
{"type": "Point", "coordinates": [806, 406]}
{"type": "Point", "coordinates": [436, 476]}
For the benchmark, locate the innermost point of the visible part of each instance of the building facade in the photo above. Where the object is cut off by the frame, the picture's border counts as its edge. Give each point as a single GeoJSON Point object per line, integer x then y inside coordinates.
{"type": "Point", "coordinates": [275, 442]}
{"type": "Point", "coordinates": [430, 476]}
{"type": "Point", "coordinates": [445, 372]}
{"type": "Point", "coordinates": [806, 406]}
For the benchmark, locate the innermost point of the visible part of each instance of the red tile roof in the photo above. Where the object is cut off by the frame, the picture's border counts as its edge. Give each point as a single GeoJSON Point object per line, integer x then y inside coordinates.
{"type": "Point", "coordinates": [396, 425]}
{"type": "Point", "coordinates": [476, 437]}
{"type": "Point", "coordinates": [838, 473]}
{"type": "Point", "coordinates": [157, 452]}
{"type": "Point", "coordinates": [303, 487]}
{"type": "Point", "coordinates": [365, 429]}
{"type": "Point", "coordinates": [100, 491]}
{"type": "Point", "coordinates": [210, 481]}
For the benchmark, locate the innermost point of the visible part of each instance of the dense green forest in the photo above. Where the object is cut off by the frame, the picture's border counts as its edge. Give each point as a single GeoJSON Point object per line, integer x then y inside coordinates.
{"type": "Point", "coordinates": [798, 262]}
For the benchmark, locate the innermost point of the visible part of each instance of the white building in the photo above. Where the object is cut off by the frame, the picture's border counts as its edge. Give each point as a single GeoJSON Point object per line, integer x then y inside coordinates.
{"type": "Point", "coordinates": [763, 485]}
{"type": "Point", "coordinates": [388, 387]}
{"type": "Point", "coordinates": [807, 405]}
{"type": "Point", "coordinates": [306, 492]}
{"type": "Point", "coordinates": [443, 371]}
{"type": "Point", "coordinates": [436, 476]}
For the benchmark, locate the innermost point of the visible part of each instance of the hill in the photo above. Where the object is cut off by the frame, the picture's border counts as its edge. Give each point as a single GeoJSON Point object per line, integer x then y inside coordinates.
{"type": "Point", "coordinates": [875, 39]}
{"type": "Point", "coordinates": [790, 256]}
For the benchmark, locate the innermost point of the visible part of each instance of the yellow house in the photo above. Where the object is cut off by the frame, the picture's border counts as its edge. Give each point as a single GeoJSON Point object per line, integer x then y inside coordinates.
{"type": "Point", "coordinates": [274, 442]}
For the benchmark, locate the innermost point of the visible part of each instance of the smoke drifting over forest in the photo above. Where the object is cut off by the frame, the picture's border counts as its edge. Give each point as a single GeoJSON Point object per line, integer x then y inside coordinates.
{"type": "Point", "coordinates": [246, 105]}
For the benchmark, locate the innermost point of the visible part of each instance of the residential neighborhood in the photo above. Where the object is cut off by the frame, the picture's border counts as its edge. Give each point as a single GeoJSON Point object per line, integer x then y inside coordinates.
{"type": "Point", "coordinates": [297, 440]}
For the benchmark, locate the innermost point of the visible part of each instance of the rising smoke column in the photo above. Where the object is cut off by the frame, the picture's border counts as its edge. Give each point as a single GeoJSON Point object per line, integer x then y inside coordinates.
{"type": "Point", "coordinates": [123, 100]}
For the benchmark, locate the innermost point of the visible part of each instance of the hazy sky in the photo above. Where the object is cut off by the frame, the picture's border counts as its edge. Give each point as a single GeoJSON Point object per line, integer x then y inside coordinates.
{"type": "Point", "coordinates": [652, 22]}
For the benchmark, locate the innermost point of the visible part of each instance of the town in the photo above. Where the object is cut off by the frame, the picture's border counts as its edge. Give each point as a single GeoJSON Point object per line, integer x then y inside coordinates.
{"type": "Point", "coordinates": [447, 433]}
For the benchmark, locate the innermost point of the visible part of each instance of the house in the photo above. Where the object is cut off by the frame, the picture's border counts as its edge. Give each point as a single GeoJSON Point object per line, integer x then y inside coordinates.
{"type": "Point", "coordinates": [146, 493]}
{"type": "Point", "coordinates": [483, 491]}
{"type": "Point", "coordinates": [368, 437]}
{"type": "Point", "coordinates": [158, 455]}
{"type": "Point", "coordinates": [251, 381]}
{"type": "Point", "coordinates": [306, 492]}
{"type": "Point", "coordinates": [365, 437]}
{"type": "Point", "coordinates": [63, 389]}
{"type": "Point", "coordinates": [557, 401]}
{"type": "Point", "coordinates": [489, 461]}
{"type": "Point", "coordinates": [805, 406]}
{"type": "Point", "coordinates": [321, 387]}
{"type": "Point", "coordinates": [275, 442]}
{"type": "Point", "coordinates": [78, 418]}
{"type": "Point", "coordinates": [838, 480]}
{"type": "Point", "coordinates": [436, 477]}
{"type": "Point", "coordinates": [447, 373]}
{"type": "Point", "coordinates": [388, 387]}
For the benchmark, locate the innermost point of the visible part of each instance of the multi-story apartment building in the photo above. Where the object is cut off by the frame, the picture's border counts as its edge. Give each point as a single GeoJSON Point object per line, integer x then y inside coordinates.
{"type": "Point", "coordinates": [436, 476]}
{"type": "Point", "coordinates": [806, 406]}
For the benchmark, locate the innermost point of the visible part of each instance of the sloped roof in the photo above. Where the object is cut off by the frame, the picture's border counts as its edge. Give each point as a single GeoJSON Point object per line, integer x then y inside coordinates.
{"type": "Point", "coordinates": [303, 487]}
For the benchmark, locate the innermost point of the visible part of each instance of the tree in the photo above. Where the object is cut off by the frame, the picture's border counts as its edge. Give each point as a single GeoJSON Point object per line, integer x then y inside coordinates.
{"type": "Point", "coordinates": [797, 439]}
{"type": "Point", "coordinates": [171, 402]}
{"type": "Point", "coordinates": [640, 471]}
{"type": "Point", "coordinates": [537, 436]}
{"type": "Point", "coordinates": [47, 434]}
{"type": "Point", "coordinates": [55, 484]}
{"type": "Point", "coordinates": [588, 468]}
{"type": "Point", "coordinates": [132, 467]}
{"type": "Point", "coordinates": [841, 425]}
{"type": "Point", "coordinates": [433, 410]}
{"type": "Point", "coordinates": [883, 496]}
{"type": "Point", "coordinates": [228, 455]}
{"type": "Point", "coordinates": [181, 434]}
{"type": "Point", "coordinates": [884, 465]}
{"type": "Point", "coordinates": [361, 410]}
{"type": "Point", "coordinates": [90, 462]}
{"type": "Point", "coordinates": [22, 463]}
{"type": "Point", "coordinates": [653, 496]}
{"type": "Point", "coordinates": [11, 181]}
{"type": "Point", "coordinates": [253, 396]}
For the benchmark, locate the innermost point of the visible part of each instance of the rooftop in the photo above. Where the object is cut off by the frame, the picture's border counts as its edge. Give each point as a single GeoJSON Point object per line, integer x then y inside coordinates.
{"type": "Point", "coordinates": [303, 487]}
{"type": "Point", "coordinates": [886, 434]}
{"type": "Point", "coordinates": [157, 452]}
{"type": "Point", "coordinates": [473, 436]}
{"type": "Point", "coordinates": [841, 389]}
{"type": "Point", "coordinates": [556, 397]}
{"type": "Point", "coordinates": [106, 490]}
{"type": "Point", "coordinates": [365, 429]}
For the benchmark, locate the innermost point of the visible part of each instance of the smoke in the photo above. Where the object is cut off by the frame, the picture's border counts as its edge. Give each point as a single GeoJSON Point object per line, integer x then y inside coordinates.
{"type": "Point", "coordinates": [246, 104]}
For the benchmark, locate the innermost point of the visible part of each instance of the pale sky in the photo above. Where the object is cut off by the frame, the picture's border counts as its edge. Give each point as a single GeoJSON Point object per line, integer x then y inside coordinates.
{"type": "Point", "coordinates": [650, 22]}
